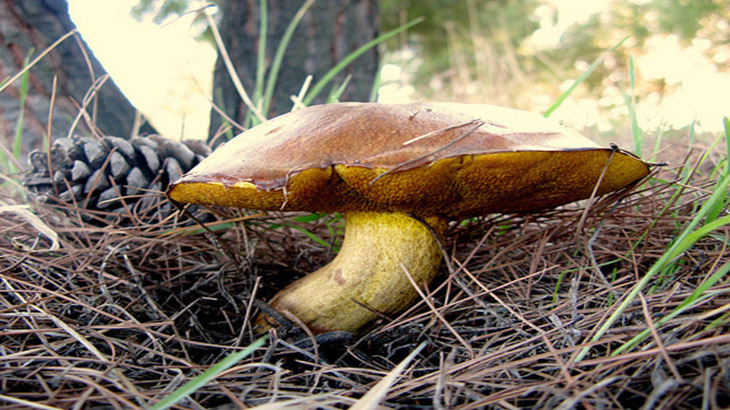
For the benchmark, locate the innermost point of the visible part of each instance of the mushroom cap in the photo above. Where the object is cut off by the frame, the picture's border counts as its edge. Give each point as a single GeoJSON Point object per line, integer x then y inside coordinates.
{"type": "Point", "coordinates": [447, 159]}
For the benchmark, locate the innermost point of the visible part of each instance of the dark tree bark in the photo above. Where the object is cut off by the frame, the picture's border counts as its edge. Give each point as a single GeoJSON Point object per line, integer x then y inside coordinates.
{"type": "Point", "coordinates": [27, 28]}
{"type": "Point", "coordinates": [328, 32]}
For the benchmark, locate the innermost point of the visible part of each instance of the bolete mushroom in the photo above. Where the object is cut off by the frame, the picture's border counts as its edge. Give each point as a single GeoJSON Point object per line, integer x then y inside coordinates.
{"type": "Point", "coordinates": [398, 173]}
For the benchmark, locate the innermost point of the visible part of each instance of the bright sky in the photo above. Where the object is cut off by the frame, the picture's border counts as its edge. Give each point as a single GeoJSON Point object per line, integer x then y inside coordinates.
{"type": "Point", "coordinates": [168, 75]}
{"type": "Point", "coordinates": [162, 69]}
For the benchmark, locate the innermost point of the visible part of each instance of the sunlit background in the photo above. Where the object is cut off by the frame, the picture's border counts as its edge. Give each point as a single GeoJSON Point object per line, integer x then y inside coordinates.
{"type": "Point", "coordinates": [163, 70]}
{"type": "Point", "coordinates": [681, 72]}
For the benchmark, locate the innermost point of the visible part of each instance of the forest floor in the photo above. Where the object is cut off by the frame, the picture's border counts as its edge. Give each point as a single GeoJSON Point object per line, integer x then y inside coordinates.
{"type": "Point", "coordinates": [531, 311]}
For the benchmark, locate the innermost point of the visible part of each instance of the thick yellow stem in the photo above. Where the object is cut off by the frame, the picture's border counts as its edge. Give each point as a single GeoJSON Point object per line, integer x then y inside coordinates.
{"type": "Point", "coordinates": [368, 276]}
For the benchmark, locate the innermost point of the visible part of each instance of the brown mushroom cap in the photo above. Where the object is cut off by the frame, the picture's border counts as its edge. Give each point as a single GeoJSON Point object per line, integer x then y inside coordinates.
{"type": "Point", "coordinates": [448, 159]}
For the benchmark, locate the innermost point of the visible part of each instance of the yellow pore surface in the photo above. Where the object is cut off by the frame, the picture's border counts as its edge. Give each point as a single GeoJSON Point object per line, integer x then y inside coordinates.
{"type": "Point", "coordinates": [460, 186]}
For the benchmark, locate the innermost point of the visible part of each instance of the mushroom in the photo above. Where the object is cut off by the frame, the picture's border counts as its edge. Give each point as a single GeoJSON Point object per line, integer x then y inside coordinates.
{"type": "Point", "coordinates": [398, 173]}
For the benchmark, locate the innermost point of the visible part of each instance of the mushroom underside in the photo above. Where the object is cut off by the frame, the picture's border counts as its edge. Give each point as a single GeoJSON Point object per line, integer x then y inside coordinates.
{"type": "Point", "coordinates": [455, 187]}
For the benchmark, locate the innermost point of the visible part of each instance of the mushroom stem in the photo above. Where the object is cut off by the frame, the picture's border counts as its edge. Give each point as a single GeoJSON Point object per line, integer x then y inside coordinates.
{"type": "Point", "coordinates": [368, 277]}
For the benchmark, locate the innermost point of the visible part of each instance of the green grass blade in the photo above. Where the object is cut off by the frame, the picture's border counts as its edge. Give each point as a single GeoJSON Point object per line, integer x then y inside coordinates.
{"type": "Point", "coordinates": [279, 56]}
{"type": "Point", "coordinates": [376, 82]}
{"type": "Point", "coordinates": [631, 103]}
{"type": "Point", "coordinates": [684, 241]}
{"type": "Point", "coordinates": [307, 218]}
{"type": "Point", "coordinates": [337, 92]}
{"type": "Point", "coordinates": [260, 63]}
{"type": "Point", "coordinates": [6, 162]}
{"type": "Point", "coordinates": [261, 57]}
{"type": "Point", "coordinates": [305, 231]}
{"type": "Point", "coordinates": [726, 126]}
{"type": "Point", "coordinates": [657, 143]}
{"type": "Point", "coordinates": [327, 78]}
{"type": "Point", "coordinates": [21, 114]}
{"type": "Point", "coordinates": [687, 169]}
{"type": "Point", "coordinates": [310, 235]}
{"type": "Point", "coordinates": [579, 80]}
{"type": "Point", "coordinates": [721, 321]}
{"type": "Point", "coordinates": [193, 385]}
{"type": "Point", "coordinates": [696, 296]}
{"type": "Point", "coordinates": [721, 205]}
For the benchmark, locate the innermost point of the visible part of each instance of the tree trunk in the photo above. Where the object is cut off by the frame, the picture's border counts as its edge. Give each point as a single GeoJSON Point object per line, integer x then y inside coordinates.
{"type": "Point", "coordinates": [28, 28]}
{"type": "Point", "coordinates": [328, 32]}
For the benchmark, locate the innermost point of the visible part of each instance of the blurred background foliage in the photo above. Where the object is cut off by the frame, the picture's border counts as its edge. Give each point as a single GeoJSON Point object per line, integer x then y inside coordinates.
{"type": "Point", "coordinates": [525, 53]}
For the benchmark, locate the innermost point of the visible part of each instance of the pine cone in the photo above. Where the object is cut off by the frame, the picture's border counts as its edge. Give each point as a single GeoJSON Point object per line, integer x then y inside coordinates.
{"type": "Point", "coordinates": [112, 177]}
